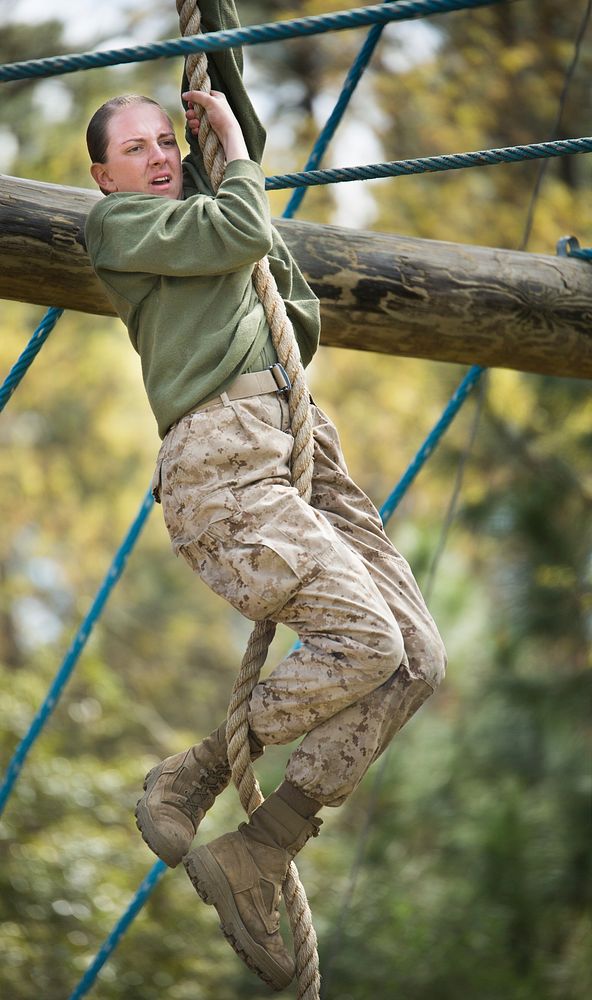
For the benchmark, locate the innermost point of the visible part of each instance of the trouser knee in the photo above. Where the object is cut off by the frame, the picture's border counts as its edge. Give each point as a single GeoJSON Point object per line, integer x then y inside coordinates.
{"type": "Point", "coordinates": [388, 650]}
{"type": "Point", "coordinates": [437, 660]}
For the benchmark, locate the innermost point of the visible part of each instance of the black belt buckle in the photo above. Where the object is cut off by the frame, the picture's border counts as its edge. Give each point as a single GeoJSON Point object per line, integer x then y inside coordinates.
{"type": "Point", "coordinates": [281, 377]}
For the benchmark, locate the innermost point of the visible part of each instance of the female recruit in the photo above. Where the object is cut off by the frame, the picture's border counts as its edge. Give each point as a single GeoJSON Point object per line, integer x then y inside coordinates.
{"type": "Point", "coordinates": [177, 261]}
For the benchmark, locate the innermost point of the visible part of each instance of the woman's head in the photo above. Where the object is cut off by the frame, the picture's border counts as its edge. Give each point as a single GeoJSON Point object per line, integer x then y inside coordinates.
{"type": "Point", "coordinates": [132, 145]}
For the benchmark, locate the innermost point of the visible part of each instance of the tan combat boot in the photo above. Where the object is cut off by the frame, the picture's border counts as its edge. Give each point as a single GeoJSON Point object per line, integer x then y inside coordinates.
{"type": "Point", "coordinates": [242, 874]}
{"type": "Point", "coordinates": [179, 791]}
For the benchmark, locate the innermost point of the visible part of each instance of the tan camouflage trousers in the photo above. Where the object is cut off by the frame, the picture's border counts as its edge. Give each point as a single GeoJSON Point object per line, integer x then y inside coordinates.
{"type": "Point", "coordinates": [369, 652]}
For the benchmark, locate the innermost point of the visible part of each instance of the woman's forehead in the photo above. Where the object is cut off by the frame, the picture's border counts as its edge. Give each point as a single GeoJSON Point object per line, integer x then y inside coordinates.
{"type": "Point", "coordinates": [137, 120]}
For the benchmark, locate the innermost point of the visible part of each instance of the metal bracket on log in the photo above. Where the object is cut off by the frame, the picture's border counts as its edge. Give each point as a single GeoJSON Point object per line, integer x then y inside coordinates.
{"type": "Point", "coordinates": [378, 292]}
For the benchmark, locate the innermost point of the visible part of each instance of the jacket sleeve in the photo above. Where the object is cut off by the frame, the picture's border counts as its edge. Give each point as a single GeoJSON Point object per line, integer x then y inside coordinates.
{"type": "Point", "coordinates": [201, 235]}
{"type": "Point", "coordinates": [302, 305]}
{"type": "Point", "coordinates": [225, 69]}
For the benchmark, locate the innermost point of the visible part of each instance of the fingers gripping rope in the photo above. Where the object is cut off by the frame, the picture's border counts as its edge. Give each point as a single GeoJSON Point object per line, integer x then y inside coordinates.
{"type": "Point", "coordinates": [284, 340]}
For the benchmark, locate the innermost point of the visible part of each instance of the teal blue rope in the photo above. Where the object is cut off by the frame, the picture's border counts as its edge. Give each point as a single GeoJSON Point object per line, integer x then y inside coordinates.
{"type": "Point", "coordinates": [433, 439]}
{"type": "Point", "coordinates": [216, 41]}
{"type": "Point", "coordinates": [432, 164]}
{"type": "Point", "coordinates": [150, 882]}
{"type": "Point", "coordinates": [568, 246]}
{"type": "Point", "coordinates": [330, 127]}
{"type": "Point", "coordinates": [64, 673]}
{"type": "Point", "coordinates": [21, 367]}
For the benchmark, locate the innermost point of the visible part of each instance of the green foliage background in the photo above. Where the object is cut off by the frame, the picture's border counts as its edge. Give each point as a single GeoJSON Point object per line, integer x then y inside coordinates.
{"type": "Point", "coordinates": [461, 866]}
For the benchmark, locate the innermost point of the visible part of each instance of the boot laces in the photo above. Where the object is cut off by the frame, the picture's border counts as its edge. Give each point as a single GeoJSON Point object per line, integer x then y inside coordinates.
{"type": "Point", "coordinates": [210, 783]}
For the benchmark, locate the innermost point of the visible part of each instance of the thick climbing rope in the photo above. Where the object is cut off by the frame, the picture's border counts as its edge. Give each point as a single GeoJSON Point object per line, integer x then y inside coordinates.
{"type": "Point", "coordinates": [454, 405]}
{"type": "Point", "coordinates": [286, 346]}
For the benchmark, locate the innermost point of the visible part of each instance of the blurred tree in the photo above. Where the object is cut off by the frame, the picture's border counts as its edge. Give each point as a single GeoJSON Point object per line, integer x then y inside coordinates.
{"type": "Point", "coordinates": [476, 873]}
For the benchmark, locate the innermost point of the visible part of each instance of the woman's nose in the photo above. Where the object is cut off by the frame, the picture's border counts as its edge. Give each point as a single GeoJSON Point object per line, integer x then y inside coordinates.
{"type": "Point", "coordinates": [156, 154]}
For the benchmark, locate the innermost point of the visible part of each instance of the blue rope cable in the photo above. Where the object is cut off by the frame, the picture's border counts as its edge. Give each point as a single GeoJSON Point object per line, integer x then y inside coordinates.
{"type": "Point", "coordinates": [568, 246]}
{"type": "Point", "coordinates": [391, 503]}
{"type": "Point", "coordinates": [149, 883]}
{"type": "Point", "coordinates": [432, 164]}
{"type": "Point", "coordinates": [78, 644]}
{"type": "Point", "coordinates": [433, 439]}
{"type": "Point", "coordinates": [329, 128]}
{"type": "Point", "coordinates": [20, 367]}
{"type": "Point", "coordinates": [216, 41]}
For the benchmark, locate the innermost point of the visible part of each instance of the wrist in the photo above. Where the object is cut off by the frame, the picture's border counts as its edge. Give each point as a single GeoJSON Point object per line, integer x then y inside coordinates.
{"type": "Point", "coordinates": [235, 148]}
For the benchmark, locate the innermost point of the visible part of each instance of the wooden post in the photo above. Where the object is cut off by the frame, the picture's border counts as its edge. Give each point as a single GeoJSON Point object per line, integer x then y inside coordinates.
{"type": "Point", "coordinates": [390, 294]}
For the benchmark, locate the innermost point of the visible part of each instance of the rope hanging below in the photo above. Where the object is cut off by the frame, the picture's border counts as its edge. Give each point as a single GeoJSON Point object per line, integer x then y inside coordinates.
{"type": "Point", "coordinates": [284, 341]}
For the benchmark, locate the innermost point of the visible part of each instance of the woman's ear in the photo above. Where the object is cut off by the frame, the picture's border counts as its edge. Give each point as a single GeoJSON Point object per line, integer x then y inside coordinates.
{"type": "Point", "coordinates": [102, 177]}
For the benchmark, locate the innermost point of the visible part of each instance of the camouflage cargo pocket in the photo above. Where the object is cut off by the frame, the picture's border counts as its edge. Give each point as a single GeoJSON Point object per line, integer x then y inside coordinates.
{"type": "Point", "coordinates": [257, 548]}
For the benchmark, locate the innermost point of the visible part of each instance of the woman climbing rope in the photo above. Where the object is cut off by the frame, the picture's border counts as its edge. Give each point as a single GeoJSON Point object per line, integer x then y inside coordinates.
{"type": "Point", "coordinates": [176, 256]}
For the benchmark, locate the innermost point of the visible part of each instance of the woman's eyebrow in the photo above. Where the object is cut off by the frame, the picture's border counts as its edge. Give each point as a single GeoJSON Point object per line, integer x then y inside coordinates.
{"type": "Point", "coordinates": [141, 138]}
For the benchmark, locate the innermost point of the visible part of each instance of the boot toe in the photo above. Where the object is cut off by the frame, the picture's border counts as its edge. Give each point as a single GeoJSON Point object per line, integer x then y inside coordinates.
{"type": "Point", "coordinates": [169, 837]}
{"type": "Point", "coordinates": [177, 794]}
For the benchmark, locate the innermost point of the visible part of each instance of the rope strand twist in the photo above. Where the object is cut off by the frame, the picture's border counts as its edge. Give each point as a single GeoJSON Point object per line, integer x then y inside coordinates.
{"type": "Point", "coordinates": [284, 341]}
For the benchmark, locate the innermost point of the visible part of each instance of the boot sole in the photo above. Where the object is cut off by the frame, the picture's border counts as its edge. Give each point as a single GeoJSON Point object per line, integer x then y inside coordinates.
{"type": "Point", "coordinates": [148, 830]}
{"type": "Point", "coordinates": [212, 886]}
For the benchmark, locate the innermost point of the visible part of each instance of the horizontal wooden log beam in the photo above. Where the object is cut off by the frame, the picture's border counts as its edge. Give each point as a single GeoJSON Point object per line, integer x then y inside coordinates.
{"type": "Point", "coordinates": [378, 292]}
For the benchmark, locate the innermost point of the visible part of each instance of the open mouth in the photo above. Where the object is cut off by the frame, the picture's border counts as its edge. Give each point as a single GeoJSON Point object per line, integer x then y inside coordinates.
{"type": "Point", "coordinates": [161, 181]}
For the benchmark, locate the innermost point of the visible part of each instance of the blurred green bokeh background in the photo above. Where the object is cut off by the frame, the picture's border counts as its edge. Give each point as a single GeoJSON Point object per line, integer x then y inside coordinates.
{"type": "Point", "coordinates": [461, 866]}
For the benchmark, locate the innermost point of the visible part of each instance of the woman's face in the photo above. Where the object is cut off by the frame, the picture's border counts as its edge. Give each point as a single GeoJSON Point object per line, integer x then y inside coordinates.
{"type": "Point", "coordinates": [142, 154]}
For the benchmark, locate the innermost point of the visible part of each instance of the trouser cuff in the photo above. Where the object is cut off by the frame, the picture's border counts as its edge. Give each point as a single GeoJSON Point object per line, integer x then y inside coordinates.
{"type": "Point", "coordinates": [298, 801]}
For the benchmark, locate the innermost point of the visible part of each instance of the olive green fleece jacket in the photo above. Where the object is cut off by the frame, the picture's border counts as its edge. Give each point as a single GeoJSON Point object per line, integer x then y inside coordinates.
{"type": "Point", "coordinates": [178, 272]}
